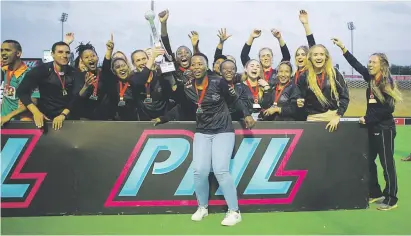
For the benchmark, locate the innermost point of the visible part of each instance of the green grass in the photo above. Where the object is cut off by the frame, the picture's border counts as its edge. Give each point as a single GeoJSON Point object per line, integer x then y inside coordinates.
{"type": "Point", "coordinates": [357, 106]}
{"type": "Point", "coordinates": [369, 221]}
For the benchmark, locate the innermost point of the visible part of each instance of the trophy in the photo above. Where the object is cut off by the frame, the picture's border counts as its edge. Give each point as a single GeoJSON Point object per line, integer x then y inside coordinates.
{"type": "Point", "coordinates": [160, 60]}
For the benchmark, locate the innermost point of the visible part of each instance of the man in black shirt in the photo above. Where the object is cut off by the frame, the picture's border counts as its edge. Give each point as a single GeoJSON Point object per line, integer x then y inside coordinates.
{"type": "Point", "coordinates": [55, 81]}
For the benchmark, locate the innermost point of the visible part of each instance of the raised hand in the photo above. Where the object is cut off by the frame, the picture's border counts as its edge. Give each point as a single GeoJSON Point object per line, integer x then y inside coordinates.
{"type": "Point", "coordinates": [303, 17]}
{"type": "Point", "coordinates": [110, 43]}
{"type": "Point", "coordinates": [158, 51]}
{"type": "Point", "coordinates": [69, 38]}
{"type": "Point", "coordinates": [194, 37]}
{"type": "Point", "coordinates": [163, 16]}
{"type": "Point", "coordinates": [276, 33]}
{"type": "Point", "coordinates": [255, 33]}
{"type": "Point", "coordinates": [90, 79]}
{"type": "Point", "coordinates": [338, 43]}
{"type": "Point", "coordinates": [222, 34]}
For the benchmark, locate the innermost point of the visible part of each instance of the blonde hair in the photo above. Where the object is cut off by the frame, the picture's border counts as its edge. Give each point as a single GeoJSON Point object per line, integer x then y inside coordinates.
{"type": "Point", "coordinates": [244, 76]}
{"type": "Point", "coordinates": [329, 71]}
{"type": "Point", "coordinates": [386, 83]}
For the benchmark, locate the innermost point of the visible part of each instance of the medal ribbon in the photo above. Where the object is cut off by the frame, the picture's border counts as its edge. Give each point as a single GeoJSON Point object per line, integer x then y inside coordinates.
{"type": "Point", "coordinates": [267, 74]}
{"type": "Point", "coordinates": [279, 91]}
{"type": "Point", "coordinates": [8, 79]}
{"type": "Point", "coordinates": [148, 84]}
{"type": "Point", "coordinates": [253, 91]}
{"type": "Point", "coordinates": [58, 76]}
{"type": "Point", "coordinates": [95, 84]}
{"type": "Point", "coordinates": [322, 80]}
{"type": "Point", "coordinates": [297, 75]}
{"type": "Point", "coordinates": [204, 85]}
{"type": "Point", "coordinates": [123, 90]}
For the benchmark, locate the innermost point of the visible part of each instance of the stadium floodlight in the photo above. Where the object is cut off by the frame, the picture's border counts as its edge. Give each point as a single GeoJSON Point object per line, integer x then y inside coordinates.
{"type": "Point", "coordinates": [63, 19]}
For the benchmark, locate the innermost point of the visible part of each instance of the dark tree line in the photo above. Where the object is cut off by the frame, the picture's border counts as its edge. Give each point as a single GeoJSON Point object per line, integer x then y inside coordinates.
{"type": "Point", "coordinates": [400, 70]}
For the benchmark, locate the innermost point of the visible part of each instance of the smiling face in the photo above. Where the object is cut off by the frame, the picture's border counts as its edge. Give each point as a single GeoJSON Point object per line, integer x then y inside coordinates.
{"type": "Point", "coordinates": [266, 58]}
{"type": "Point", "coordinates": [90, 59]}
{"type": "Point", "coordinates": [121, 69]}
{"type": "Point", "coordinates": [374, 65]}
{"type": "Point", "coordinates": [228, 70]}
{"type": "Point", "coordinates": [61, 55]}
{"type": "Point", "coordinates": [253, 69]}
{"type": "Point", "coordinates": [183, 57]}
{"type": "Point", "coordinates": [284, 73]}
{"type": "Point", "coordinates": [199, 67]}
{"type": "Point", "coordinates": [139, 60]}
{"type": "Point", "coordinates": [301, 57]}
{"type": "Point", "coordinates": [318, 57]}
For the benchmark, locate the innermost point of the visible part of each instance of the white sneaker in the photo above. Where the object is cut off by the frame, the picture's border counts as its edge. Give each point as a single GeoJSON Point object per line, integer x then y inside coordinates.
{"type": "Point", "coordinates": [231, 218]}
{"type": "Point", "coordinates": [199, 214]}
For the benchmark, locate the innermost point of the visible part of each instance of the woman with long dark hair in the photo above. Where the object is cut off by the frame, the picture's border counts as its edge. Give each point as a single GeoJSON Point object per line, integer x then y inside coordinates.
{"type": "Point", "coordinates": [382, 94]}
{"type": "Point", "coordinates": [94, 101]}
{"type": "Point", "coordinates": [280, 102]}
{"type": "Point", "coordinates": [214, 138]}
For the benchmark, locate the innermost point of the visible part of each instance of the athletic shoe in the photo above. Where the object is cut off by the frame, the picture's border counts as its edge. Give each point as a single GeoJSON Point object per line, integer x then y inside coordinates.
{"type": "Point", "coordinates": [377, 200]}
{"type": "Point", "coordinates": [199, 214]}
{"type": "Point", "coordinates": [385, 207]}
{"type": "Point", "coordinates": [231, 218]}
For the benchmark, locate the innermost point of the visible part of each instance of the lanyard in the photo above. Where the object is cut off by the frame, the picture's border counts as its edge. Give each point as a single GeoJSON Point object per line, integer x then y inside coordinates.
{"type": "Point", "coordinates": [278, 92]}
{"type": "Point", "coordinates": [297, 75]}
{"type": "Point", "coordinates": [268, 74]}
{"type": "Point", "coordinates": [322, 80]}
{"type": "Point", "coordinates": [253, 91]}
{"type": "Point", "coordinates": [95, 84]}
{"type": "Point", "coordinates": [123, 89]}
{"type": "Point", "coordinates": [204, 85]}
{"type": "Point", "coordinates": [63, 86]}
{"type": "Point", "coordinates": [148, 84]}
{"type": "Point", "coordinates": [8, 78]}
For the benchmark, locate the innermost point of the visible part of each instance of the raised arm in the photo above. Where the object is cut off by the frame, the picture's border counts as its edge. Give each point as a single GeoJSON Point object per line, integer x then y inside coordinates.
{"type": "Point", "coordinates": [245, 52]}
{"type": "Point", "coordinates": [140, 78]}
{"type": "Point", "coordinates": [195, 40]}
{"type": "Point", "coordinates": [284, 49]}
{"type": "Point", "coordinates": [222, 35]}
{"type": "Point", "coordinates": [352, 60]}
{"type": "Point", "coordinates": [304, 20]}
{"type": "Point", "coordinates": [163, 16]}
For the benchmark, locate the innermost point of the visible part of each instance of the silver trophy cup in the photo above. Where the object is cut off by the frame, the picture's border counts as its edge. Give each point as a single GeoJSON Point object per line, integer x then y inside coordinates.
{"type": "Point", "coordinates": [160, 60]}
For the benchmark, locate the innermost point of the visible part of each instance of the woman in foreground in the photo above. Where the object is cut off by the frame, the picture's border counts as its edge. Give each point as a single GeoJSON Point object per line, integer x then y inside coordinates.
{"type": "Point", "coordinates": [214, 137]}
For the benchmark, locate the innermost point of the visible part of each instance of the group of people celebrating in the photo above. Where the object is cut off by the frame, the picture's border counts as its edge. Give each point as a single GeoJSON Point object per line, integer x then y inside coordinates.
{"type": "Point", "coordinates": [137, 90]}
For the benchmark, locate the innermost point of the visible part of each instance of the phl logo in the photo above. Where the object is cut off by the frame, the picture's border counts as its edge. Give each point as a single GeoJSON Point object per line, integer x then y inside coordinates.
{"type": "Point", "coordinates": [18, 187]}
{"type": "Point", "coordinates": [158, 172]}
